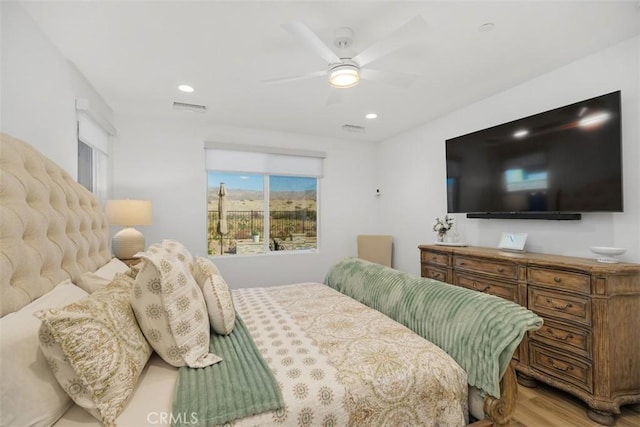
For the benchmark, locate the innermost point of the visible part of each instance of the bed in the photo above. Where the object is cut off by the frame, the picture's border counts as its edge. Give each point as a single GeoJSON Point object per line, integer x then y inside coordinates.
{"type": "Point", "coordinates": [333, 358]}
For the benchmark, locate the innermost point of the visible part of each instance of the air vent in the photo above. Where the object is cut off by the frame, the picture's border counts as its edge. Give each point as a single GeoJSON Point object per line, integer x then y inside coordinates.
{"type": "Point", "coordinates": [189, 107]}
{"type": "Point", "coordinates": [353, 128]}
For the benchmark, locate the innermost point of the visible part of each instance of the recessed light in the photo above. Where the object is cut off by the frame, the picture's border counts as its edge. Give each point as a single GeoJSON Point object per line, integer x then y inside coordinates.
{"type": "Point", "coordinates": [371, 116]}
{"type": "Point", "coordinates": [487, 26]}
{"type": "Point", "coordinates": [185, 88]}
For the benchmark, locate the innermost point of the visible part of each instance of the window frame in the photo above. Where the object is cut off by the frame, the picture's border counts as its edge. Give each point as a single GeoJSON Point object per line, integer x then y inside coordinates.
{"type": "Point", "coordinates": [266, 220]}
{"type": "Point", "coordinates": [266, 162]}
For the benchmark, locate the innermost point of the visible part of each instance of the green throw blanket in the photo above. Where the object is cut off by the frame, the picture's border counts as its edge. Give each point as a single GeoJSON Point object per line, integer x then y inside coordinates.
{"type": "Point", "coordinates": [479, 331]}
{"type": "Point", "coordinates": [241, 385]}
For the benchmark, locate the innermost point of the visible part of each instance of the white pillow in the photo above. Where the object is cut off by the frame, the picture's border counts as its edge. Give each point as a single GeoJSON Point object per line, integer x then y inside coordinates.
{"type": "Point", "coordinates": [100, 278]}
{"type": "Point", "coordinates": [222, 313]}
{"type": "Point", "coordinates": [29, 391]}
{"type": "Point", "coordinates": [96, 349]}
{"type": "Point", "coordinates": [171, 311]}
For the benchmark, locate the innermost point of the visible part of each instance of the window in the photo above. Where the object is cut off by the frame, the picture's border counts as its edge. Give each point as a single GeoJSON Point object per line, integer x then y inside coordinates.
{"type": "Point", "coordinates": [93, 148]}
{"type": "Point", "coordinates": [85, 165]}
{"type": "Point", "coordinates": [261, 200]}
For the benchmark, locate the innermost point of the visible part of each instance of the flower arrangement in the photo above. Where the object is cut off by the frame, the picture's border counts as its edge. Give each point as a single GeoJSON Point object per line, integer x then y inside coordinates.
{"type": "Point", "coordinates": [442, 226]}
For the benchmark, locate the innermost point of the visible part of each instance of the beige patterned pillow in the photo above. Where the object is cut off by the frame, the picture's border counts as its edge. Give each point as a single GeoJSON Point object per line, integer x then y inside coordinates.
{"type": "Point", "coordinates": [204, 267]}
{"type": "Point", "coordinates": [171, 311]}
{"type": "Point", "coordinates": [171, 247]}
{"type": "Point", "coordinates": [222, 313]}
{"type": "Point", "coordinates": [96, 349]}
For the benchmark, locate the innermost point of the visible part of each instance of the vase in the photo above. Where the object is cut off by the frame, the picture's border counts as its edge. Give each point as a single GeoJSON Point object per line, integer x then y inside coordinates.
{"type": "Point", "coordinates": [441, 237]}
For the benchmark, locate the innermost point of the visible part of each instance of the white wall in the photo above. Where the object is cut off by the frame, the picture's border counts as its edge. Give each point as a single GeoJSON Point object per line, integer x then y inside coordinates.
{"type": "Point", "coordinates": [412, 165]}
{"type": "Point", "coordinates": [39, 87]}
{"type": "Point", "coordinates": [164, 161]}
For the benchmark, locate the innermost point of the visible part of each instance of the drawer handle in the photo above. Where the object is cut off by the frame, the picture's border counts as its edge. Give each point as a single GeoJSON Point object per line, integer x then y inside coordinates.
{"type": "Point", "coordinates": [557, 279]}
{"type": "Point", "coordinates": [461, 263]}
{"type": "Point", "coordinates": [559, 307]}
{"type": "Point", "coordinates": [558, 337]}
{"type": "Point", "coordinates": [486, 288]}
{"type": "Point", "coordinates": [500, 270]}
{"type": "Point", "coordinates": [558, 367]}
{"type": "Point", "coordinates": [436, 275]}
{"type": "Point", "coordinates": [434, 258]}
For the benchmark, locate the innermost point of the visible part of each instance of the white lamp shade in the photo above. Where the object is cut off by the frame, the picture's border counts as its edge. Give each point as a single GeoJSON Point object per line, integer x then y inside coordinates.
{"type": "Point", "coordinates": [129, 212]}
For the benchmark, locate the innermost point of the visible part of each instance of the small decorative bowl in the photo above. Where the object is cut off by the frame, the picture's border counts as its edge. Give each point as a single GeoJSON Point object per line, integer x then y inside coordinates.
{"type": "Point", "coordinates": [607, 253]}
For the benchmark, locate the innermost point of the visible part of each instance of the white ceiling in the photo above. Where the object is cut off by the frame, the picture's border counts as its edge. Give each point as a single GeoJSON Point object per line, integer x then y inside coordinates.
{"type": "Point", "coordinates": [136, 53]}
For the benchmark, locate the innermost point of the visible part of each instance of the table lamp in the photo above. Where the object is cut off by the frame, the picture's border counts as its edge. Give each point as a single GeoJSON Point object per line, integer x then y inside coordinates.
{"type": "Point", "coordinates": [127, 213]}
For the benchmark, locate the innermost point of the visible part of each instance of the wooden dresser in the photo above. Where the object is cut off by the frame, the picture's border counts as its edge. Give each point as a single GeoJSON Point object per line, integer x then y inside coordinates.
{"type": "Point", "coordinates": [589, 345]}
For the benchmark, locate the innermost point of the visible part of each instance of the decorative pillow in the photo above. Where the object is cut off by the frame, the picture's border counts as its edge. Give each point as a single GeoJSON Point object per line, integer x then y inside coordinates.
{"type": "Point", "coordinates": [222, 313]}
{"type": "Point", "coordinates": [171, 311]}
{"type": "Point", "coordinates": [96, 349]}
{"type": "Point", "coordinates": [204, 267]}
{"type": "Point", "coordinates": [100, 278]}
{"type": "Point", "coordinates": [28, 389]}
{"type": "Point", "coordinates": [171, 247]}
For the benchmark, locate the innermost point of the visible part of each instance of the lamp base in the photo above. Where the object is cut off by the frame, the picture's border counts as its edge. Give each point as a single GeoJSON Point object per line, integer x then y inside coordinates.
{"type": "Point", "coordinates": [127, 242]}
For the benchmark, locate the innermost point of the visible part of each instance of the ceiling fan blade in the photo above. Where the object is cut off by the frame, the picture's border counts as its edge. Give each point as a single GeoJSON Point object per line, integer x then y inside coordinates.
{"type": "Point", "coordinates": [403, 36]}
{"type": "Point", "coordinates": [312, 40]}
{"type": "Point", "coordinates": [393, 78]}
{"type": "Point", "coordinates": [294, 78]}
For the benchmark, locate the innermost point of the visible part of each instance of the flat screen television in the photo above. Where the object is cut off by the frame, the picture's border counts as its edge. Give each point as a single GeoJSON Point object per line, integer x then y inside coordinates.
{"type": "Point", "coordinates": [552, 165]}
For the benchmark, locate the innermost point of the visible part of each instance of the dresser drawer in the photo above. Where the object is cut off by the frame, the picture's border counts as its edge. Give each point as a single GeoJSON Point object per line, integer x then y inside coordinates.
{"type": "Point", "coordinates": [437, 258]}
{"type": "Point", "coordinates": [504, 290]}
{"type": "Point", "coordinates": [499, 269]}
{"type": "Point", "coordinates": [560, 306]}
{"type": "Point", "coordinates": [562, 367]}
{"type": "Point", "coordinates": [556, 279]}
{"type": "Point", "coordinates": [564, 337]}
{"type": "Point", "coordinates": [436, 273]}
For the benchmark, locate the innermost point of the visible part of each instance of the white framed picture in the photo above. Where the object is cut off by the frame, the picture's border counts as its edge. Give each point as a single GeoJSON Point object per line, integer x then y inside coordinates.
{"type": "Point", "coordinates": [512, 241]}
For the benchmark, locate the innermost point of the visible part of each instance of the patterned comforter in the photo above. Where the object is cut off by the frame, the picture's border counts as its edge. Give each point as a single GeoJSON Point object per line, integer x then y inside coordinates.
{"type": "Point", "coordinates": [339, 362]}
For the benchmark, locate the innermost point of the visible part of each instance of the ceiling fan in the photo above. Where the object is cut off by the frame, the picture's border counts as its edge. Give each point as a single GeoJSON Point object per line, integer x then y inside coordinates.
{"type": "Point", "coordinates": [346, 70]}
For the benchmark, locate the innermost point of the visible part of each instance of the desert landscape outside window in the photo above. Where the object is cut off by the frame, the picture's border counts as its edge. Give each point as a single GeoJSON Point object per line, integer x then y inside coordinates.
{"type": "Point", "coordinates": [257, 214]}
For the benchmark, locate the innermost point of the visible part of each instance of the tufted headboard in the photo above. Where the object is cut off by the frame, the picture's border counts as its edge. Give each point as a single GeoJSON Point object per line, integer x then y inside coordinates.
{"type": "Point", "coordinates": [51, 227]}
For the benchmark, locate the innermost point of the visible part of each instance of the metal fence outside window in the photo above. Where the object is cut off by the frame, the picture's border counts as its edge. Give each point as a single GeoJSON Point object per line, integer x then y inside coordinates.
{"type": "Point", "coordinates": [282, 224]}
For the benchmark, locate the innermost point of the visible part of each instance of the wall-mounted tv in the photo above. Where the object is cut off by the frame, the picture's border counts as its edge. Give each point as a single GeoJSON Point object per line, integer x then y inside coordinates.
{"type": "Point", "coordinates": [552, 165]}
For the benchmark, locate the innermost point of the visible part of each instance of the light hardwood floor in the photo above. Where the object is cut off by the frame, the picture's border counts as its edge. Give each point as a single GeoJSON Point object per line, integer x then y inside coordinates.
{"type": "Point", "coordinates": [544, 406]}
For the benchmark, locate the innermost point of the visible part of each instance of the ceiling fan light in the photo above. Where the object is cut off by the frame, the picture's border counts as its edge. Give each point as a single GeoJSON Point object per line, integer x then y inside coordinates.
{"type": "Point", "coordinates": [344, 76]}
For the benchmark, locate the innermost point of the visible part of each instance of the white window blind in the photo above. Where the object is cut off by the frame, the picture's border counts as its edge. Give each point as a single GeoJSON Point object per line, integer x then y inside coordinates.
{"type": "Point", "coordinates": [263, 160]}
{"type": "Point", "coordinates": [92, 134]}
